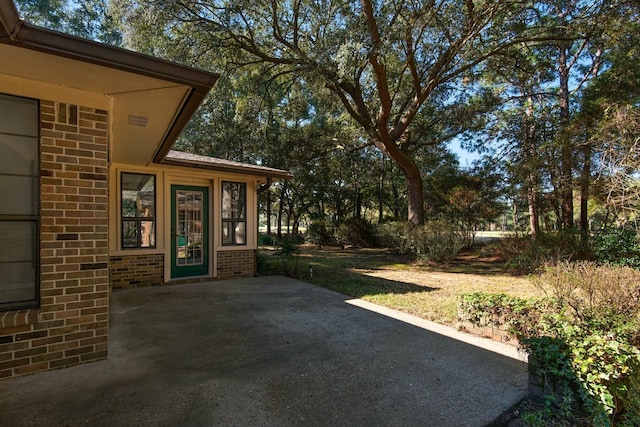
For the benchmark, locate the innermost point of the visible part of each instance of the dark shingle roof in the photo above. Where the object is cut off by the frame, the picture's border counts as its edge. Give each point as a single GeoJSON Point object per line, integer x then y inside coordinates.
{"type": "Point", "coordinates": [180, 158]}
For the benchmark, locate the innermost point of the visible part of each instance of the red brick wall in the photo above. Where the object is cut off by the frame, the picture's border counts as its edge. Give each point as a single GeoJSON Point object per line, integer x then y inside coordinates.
{"type": "Point", "coordinates": [70, 326]}
{"type": "Point", "coordinates": [132, 271]}
{"type": "Point", "coordinates": [236, 264]}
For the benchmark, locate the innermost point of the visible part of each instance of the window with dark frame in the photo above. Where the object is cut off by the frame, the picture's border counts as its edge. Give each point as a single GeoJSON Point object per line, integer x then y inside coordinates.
{"type": "Point", "coordinates": [234, 213]}
{"type": "Point", "coordinates": [20, 207]}
{"type": "Point", "coordinates": [138, 210]}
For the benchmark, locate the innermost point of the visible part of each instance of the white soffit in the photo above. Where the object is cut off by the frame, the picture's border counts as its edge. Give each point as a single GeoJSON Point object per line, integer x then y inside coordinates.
{"type": "Point", "coordinates": [136, 144]}
{"type": "Point", "coordinates": [57, 78]}
{"type": "Point", "coordinates": [61, 71]}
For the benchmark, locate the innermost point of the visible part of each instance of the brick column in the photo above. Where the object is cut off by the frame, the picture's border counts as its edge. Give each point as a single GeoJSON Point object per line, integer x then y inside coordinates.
{"type": "Point", "coordinates": [70, 326]}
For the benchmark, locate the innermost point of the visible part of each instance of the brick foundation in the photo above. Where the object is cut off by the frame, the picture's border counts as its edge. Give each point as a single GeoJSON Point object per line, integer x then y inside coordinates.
{"type": "Point", "coordinates": [70, 326]}
{"type": "Point", "coordinates": [236, 264]}
{"type": "Point", "coordinates": [489, 330]}
{"type": "Point", "coordinates": [132, 271]}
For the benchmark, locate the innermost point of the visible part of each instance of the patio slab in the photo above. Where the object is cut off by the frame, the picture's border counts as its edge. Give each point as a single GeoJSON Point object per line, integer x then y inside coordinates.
{"type": "Point", "coordinates": [269, 351]}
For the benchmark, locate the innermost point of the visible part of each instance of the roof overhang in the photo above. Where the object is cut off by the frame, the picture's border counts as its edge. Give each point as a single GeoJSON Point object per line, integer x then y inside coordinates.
{"type": "Point", "coordinates": [150, 100]}
{"type": "Point", "coordinates": [179, 158]}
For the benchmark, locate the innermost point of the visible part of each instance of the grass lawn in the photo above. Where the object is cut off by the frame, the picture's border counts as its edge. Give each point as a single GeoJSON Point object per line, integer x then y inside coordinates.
{"type": "Point", "coordinates": [427, 290]}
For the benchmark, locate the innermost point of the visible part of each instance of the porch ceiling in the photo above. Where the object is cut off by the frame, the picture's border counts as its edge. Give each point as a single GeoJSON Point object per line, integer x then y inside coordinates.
{"type": "Point", "coordinates": [150, 100]}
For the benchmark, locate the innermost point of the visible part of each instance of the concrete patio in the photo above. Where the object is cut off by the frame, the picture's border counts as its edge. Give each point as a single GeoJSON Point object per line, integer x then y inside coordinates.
{"type": "Point", "coordinates": [270, 351]}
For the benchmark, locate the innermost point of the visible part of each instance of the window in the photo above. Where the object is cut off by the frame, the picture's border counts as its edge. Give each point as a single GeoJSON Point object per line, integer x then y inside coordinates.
{"type": "Point", "coordinates": [234, 213]}
{"type": "Point", "coordinates": [138, 210]}
{"type": "Point", "coordinates": [20, 202]}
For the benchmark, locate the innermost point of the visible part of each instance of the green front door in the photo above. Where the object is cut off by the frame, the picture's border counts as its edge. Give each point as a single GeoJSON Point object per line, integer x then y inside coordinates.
{"type": "Point", "coordinates": [189, 231]}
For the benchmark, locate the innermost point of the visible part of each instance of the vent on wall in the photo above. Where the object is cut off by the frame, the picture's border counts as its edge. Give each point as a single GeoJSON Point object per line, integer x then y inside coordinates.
{"type": "Point", "coordinates": [138, 120]}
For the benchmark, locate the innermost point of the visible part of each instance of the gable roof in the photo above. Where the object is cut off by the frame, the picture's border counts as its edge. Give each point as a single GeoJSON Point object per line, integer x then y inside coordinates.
{"type": "Point", "coordinates": [179, 158]}
{"type": "Point", "coordinates": [150, 99]}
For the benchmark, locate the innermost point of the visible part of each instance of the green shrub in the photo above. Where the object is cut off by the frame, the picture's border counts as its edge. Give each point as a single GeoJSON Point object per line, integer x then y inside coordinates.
{"type": "Point", "coordinates": [435, 240]}
{"type": "Point", "coordinates": [356, 232]}
{"type": "Point", "coordinates": [524, 255]}
{"type": "Point", "coordinates": [263, 267]}
{"type": "Point", "coordinates": [586, 335]}
{"type": "Point", "coordinates": [287, 251]}
{"type": "Point", "coordinates": [320, 233]}
{"type": "Point", "coordinates": [617, 246]}
{"type": "Point", "coordinates": [592, 291]}
{"type": "Point", "coordinates": [395, 236]}
{"type": "Point", "coordinates": [266, 240]}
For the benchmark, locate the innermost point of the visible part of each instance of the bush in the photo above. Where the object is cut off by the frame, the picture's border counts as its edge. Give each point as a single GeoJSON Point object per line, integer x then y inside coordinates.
{"type": "Point", "coordinates": [617, 246]}
{"type": "Point", "coordinates": [266, 240]}
{"type": "Point", "coordinates": [586, 336]}
{"type": "Point", "coordinates": [263, 267]}
{"type": "Point", "coordinates": [435, 240]}
{"type": "Point", "coordinates": [525, 255]}
{"type": "Point", "coordinates": [591, 290]}
{"type": "Point", "coordinates": [287, 251]}
{"type": "Point", "coordinates": [356, 232]}
{"type": "Point", "coordinates": [395, 236]}
{"type": "Point", "coordinates": [319, 233]}
{"type": "Point", "coordinates": [599, 325]}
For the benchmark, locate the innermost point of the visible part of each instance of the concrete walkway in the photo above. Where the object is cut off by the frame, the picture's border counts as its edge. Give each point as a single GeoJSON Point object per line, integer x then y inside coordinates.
{"type": "Point", "coordinates": [268, 351]}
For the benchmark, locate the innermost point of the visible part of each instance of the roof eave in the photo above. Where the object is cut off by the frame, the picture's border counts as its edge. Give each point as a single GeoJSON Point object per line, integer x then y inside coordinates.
{"type": "Point", "coordinates": [23, 34]}
{"type": "Point", "coordinates": [266, 173]}
{"type": "Point", "coordinates": [9, 18]}
{"type": "Point", "coordinates": [16, 31]}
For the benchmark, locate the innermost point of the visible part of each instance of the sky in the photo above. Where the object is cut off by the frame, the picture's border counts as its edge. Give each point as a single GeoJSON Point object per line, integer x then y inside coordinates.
{"type": "Point", "coordinates": [465, 157]}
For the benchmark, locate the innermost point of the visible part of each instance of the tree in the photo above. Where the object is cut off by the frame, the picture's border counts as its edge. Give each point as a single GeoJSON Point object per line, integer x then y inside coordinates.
{"type": "Point", "coordinates": [521, 76]}
{"type": "Point", "coordinates": [90, 19]}
{"type": "Point", "coordinates": [46, 13]}
{"type": "Point", "coordinates": [611, 119]}
{"type": "Point", "coordinates": [384, 61]}
{"type": "Point", "coordinates": [619, 148]}
{"type": "Point", "coordinates": [544, 114]}
{"type": "Point", "coordinates": [475, 199]}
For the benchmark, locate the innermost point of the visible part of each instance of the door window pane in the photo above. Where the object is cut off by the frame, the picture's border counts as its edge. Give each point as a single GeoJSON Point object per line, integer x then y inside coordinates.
{"type": "Point", "coordinates": [189, 236]}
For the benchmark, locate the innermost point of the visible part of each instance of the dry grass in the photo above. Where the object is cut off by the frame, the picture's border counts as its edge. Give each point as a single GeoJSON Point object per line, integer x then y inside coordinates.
{"type": "Point", "coordinates": [429, 291]}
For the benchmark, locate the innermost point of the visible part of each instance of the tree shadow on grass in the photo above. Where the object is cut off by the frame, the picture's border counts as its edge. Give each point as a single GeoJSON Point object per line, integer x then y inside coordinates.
{"type": "Point", "coordinates": [358, 284]}
{"type": "Point", "coordinates": [467, 261]}
{"type": "Point", "coordinates": [470, 261]}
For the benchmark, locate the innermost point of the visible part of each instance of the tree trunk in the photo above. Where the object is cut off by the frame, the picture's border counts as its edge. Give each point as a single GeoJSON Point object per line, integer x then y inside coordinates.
{"type": "Point", "coordinates": [534, 220]}
{"type": "Point", "coordinates": [415, 197]}
{"type": "Point", "coordinates": [381, 196]}
{"type": "Point", "coordinates": [289, 223]}
{"type": "Point", "coordinates": [281, 208]}
{"type": "Point", "coordinates": [413, 178]}
{"type": "Point", "coordinates": [268, 202]}
{"type": "Point", "coordinates": [515, 218]}
{"type": "Point", "coordinates": [396, 198]}
{"type": "Point", "coordinates": [585, 180]}
{"type": "Point", "coordinates": [532, 170]}
{"type": "Point", "coordinates": [566, 152]}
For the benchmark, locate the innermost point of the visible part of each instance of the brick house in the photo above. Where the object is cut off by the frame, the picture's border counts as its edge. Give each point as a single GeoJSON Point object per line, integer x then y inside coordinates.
{"type": "Point", "coordinates": [92, 198]}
